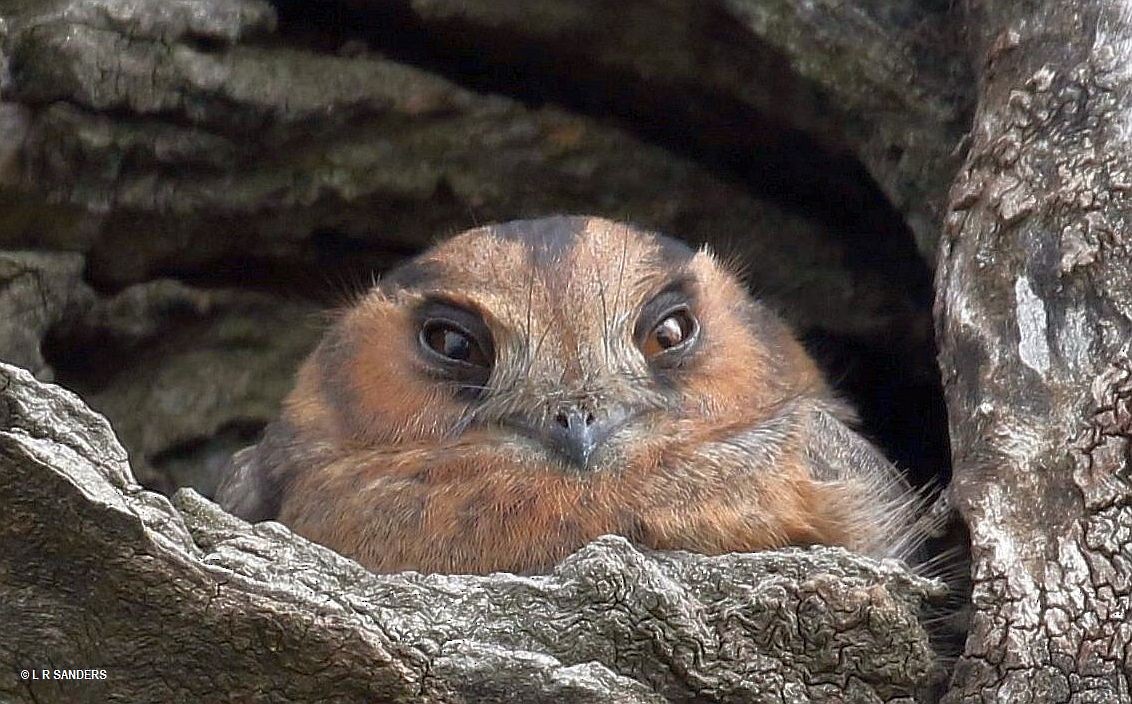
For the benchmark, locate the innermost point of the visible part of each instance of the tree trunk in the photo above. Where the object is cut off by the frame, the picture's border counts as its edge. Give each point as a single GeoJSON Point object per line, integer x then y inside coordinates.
{"type": "Point", "coordinates": [1034, 313]}
{"type": "Point", "coordinates": [182, 602]}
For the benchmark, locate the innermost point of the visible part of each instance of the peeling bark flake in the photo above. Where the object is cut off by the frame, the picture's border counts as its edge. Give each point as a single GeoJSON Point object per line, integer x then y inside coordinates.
{"type": "Point", "coordinates": [1033, 348]}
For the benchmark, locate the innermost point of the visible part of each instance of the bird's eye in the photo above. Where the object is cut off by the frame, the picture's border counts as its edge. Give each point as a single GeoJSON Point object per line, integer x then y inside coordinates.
{"type": "Point", "coordinates": [676, 329]}
{"type": "Point", "coordinates": [452, 342]}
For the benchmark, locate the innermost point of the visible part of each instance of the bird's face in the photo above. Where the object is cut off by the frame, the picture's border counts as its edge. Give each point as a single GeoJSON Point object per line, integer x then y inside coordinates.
{"type": "Point", "coordinates": [569, 344]}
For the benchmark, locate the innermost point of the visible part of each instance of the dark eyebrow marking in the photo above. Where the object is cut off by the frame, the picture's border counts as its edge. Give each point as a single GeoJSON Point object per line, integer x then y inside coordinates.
{"type": "Point", "coordinates": [685, 284]}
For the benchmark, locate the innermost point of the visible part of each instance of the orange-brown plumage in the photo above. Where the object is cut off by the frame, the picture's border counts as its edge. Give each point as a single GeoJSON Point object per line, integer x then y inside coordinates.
{"type": "Point", "coordinates": [403, 458]}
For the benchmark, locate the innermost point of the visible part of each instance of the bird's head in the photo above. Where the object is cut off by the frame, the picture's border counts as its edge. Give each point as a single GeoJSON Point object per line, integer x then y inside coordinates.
{"type": "Point", "coordinates": [569, 343]}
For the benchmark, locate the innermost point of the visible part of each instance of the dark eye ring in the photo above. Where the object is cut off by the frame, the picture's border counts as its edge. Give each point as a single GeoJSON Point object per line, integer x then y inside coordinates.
{"type": "Point", "coordinates": [674, 332]}
{"type": "Point", "coordinates": [453, 343]}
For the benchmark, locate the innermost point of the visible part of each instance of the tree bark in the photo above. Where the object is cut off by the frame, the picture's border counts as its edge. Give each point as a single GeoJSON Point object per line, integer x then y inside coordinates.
{"type": "Point", "coordinates": [183, 602]}
{"type": "Point", "coordinates": [1034, 316]}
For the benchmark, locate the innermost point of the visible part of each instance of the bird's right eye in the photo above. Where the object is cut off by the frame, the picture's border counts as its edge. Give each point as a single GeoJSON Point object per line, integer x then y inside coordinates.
{"type": "Point", "coordinates": [457, 342]}
{"type": "Point", "coordinates": [453, 343]}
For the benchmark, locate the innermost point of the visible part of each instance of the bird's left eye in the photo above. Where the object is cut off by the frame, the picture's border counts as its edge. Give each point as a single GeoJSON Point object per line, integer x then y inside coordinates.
{"type": "Point", "coordinates": [674, 330]}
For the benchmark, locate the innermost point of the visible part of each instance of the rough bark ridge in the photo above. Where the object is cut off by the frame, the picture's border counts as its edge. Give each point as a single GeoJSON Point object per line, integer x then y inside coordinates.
{"type": "Point", "coordinates": [182, 602]}
{"type": "Point", "coordinates": [1035, 323]}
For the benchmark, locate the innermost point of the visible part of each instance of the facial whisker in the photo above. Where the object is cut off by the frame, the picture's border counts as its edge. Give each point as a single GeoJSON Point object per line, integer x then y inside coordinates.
{"type": "Point", "coordinates": [538, 348]}
{"type": "Point", "coordinates": [621, 268]}
{"type": "Point", "coordinates": [605, 323]}
{"type": "Point", "coordinates": [527, 328]}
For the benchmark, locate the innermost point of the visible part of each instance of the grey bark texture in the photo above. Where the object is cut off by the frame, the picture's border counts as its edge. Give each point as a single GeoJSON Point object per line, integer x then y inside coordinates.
{"type": "Point", "coordinates": [1035, 323]}
{"type": "Point", "coordinates": [183, 602]}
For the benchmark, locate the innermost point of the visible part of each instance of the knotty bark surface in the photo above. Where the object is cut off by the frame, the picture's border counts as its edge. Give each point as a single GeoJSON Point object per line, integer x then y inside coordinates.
{"type": "Point", "coordinates": [1035, 327]}
{"type": "Point", "coordinates": [183, 602]}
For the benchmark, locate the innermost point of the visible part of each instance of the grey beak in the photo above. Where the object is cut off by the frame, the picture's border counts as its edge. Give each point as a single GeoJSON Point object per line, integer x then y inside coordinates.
{"type": "Point", "coordinates": [573, 431]}
{"type": "Point", "coordinates": [577, 432]}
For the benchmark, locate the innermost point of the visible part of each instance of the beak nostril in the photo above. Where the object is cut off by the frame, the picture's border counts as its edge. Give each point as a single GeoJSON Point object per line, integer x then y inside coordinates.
{"type": "Point", "coordinates": [575, 432]}
{"type": "Point", "coordinates": [575, 418]}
